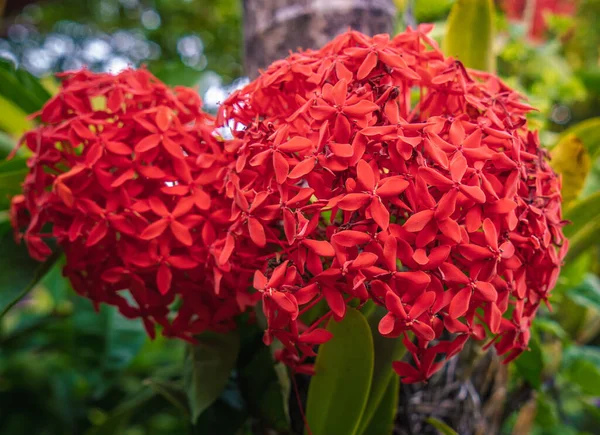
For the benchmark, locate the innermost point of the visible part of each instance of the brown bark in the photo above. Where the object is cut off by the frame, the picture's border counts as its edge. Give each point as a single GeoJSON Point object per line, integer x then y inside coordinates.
{"type": "Point", "coordinates": [274, 27]}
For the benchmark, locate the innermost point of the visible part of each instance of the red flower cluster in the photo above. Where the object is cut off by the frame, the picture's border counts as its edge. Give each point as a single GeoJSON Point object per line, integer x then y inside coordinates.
{"type": "Point", "coordinates": [127, 177]}
{"type": "Point", "coordinates": [379, 170]}
{"type": "Point", "coordinates": [517, 10]}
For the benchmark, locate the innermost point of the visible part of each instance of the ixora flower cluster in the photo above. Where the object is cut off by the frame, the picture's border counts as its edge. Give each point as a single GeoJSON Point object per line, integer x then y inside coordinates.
{"type": "Point", "coordinates": [127, 177]}
{"type": "Point", "coordinates": [369, 170]}
{"type": "Point", "coordinates": [380, 170]}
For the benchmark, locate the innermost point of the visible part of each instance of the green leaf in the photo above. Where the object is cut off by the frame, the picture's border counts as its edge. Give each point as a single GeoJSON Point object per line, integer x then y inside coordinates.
{"type": "Point", "coordinates": [337, 395]}
{"type": "Point", "coordinates": [588, 132]}
{"type": "Point", "coordinates": [262, 390]}
{"type": "Point", "coordinates": [12, 174]}
{"type": "Point", "coordinates": [14, 119]}
{"type": "Point", "coordinates": [21, 88]}
{"type": "Point", "coordinates": [587, 293]}
{"type": "Point", "coordinates": [172, 392]}
{"type": "Point", "coordinates": [442, 427]}
{"type": "Point", "coordinates": [530, 363]}
{"type": "Point", "coordinates": [225, 416]}
{"type": "Point", "coordinates": [19, 274]}
{"type": "Point", "coordinates": [583, 239]}
{"type": "Point", "coordinates": [118, 419]}
{"type": "Point", "coordinates": [7, 144]}
{"type": "Point", "coordinates": [586, 375]}
{"type": "Point", "coordinates": [382, 421]}
{"type": "Point", "coordinates": [386, 351]}
{"type": "Point", "coordinates": [470, 34]}
{"type": "Point", "coordinates": [581, 212]}
{"type": "Point", "coordinates": [208, 365]}
{"type": "Point", "coordinates": [570, 158]}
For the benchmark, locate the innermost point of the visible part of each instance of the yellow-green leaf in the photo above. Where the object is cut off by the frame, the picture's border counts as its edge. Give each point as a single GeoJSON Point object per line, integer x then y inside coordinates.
{"type": "Point", "coordinates": [470, 34]}
{"type": "Point", "coordinates": [580, 212]}
{"type": "Point", "coordinates": [571, 159]}
{"type": "Point", "coordinates": [387, 350]}
{"type": "Point", "coordinates": [588, 132]}
{"type": "Point", "coordinates": [13, 119]}
{"type": "Point", "coordinates": [382, 422]}
{"type": "Point", "coordinates": [442, 427]}
{"type": "Point", "coordinates": [337, 395]}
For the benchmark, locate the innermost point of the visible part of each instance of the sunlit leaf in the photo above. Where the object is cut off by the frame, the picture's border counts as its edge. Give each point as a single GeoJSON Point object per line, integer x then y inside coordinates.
{"type": "Point", "coordinates": [570, 158]}
{"type": "Point", "coordinates": [442, 427]}
{"type": "Point", "coordinates": [337, 395]}
{"type": "Point", "coordinates": [470, 34]}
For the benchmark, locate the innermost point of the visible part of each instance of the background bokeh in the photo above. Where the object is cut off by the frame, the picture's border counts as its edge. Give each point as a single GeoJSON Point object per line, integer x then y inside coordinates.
{"type": "Point", "coordinates": [66, 368]}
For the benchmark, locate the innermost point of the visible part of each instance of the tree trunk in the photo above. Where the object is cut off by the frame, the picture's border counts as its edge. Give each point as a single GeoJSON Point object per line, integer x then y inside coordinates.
{"type": "Point", "coordinates": [274, 27]}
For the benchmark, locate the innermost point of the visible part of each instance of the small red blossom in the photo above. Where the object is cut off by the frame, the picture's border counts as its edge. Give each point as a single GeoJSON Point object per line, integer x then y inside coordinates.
{"type": "Point", "coordinates": [376, 169]}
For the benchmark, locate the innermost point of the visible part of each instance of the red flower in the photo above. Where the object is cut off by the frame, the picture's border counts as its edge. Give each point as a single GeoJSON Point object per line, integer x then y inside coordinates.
{"type": "Point", "coordinates": [128, 177]}
{"type": "Point", "coordinates": [442, 210]}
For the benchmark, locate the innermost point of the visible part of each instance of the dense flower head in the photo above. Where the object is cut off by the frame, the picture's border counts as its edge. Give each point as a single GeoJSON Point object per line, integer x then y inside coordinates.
{"type": "Point", "coordinates": [376, 169]}
{"type": "Point", "coordinates": [126, 176]}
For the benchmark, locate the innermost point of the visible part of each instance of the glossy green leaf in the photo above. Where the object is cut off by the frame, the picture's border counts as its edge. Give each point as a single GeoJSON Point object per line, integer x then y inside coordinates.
{"type": "Point", "coordinates": [261, 387]}
{"type": "Point", "coordinates": [386, 350]}
{"type": "Point", "coordinates": [382, 421]}
{"type": "Point", "coordinates": [588, 132]}
{"type": "Point", "coordinates": [14, 119]}
{"type": "Point", "coordinates": [581, 367]}
{"type": "Point", "coordinates": [7, 144]}
{"type": "Point", "coordinates": [571, 159]}
{"type": "Point", "coordinates": [470, 34]}
{"type": "Point", "coordinates": [337, 395]}
{"type": "Point", "coordinates": [19, 274]}
{"type": "Point", "coordinates": [208, 365]}
{"type": "Point", "coordinates": [581, 212]}
{"type": "Point", "coordinates": [530, 363]}
{"type": "Point", "coordinates": [442, 427]}
{"type": "Point", "coordinates": [587, 293]}
{"type": "Point", "coordinates": [583, 239]}
{"type": "Point", "coordinates": [21, 88]}
{"type": "Point", "coordinates": [118, 419]}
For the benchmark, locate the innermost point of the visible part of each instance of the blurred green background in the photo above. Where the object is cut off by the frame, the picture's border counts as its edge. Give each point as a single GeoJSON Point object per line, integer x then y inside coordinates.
{"type": "Point", "coordinates": [67, 369]}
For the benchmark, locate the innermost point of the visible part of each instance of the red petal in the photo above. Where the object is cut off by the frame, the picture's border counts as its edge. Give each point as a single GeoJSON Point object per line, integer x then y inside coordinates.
{"type": "Point", "coordinates": [154, 230]}
{"type": "Point", "coordinates": [163, 118]}
{"type": "Point", "coordinates": [320, 247]}
{"type": "Point", "coordinates": [353, 201]}
{"type": "Point", "coordinates": [387, 324]}
{"type": "Point", "coordinates": [97, 234]}
{"type": "Point", "coordinates": [163, 279]}
{"type": "Point", "coordinates": [379, 213]}
{"type": "Point", "coordinates": [148, 143]}
{"type": "Point", "coordinates": [317, 336]}
{"type": "Point", "coordinates": [335, 300]}
{"type": "Point", "coordinates": [349, 238]}
{"type": "Point", "coordinates": [365, 175]}
{"type": "Point", "coordinates": [341, 149]}
{"type": "Point", "coordinates": [295, 144]}
{"type": "Point", "coordinates": [260, 280]}
{"type": "Point", "coordinates": [281, 166]}
{"type": "Point", "coordinates": [302, 168]}
{"type": "Point", "coordinates": [172, 148]}
{"type": "Point", "coordinates": [368, 64]}
{"type": "Point", "coordinates": [257, 232]}
{"type": "Point", "coordinates": [460, 303]}
{"type": "Point", "coordinates": [418, 221]}
{"type": "Point", "coordinates": [392, 186]}
{"type": "Point", "coordinates": [181, 233]}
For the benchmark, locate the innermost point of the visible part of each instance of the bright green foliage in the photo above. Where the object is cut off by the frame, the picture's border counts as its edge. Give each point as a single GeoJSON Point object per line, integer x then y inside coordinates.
{"type": "Point", "coordinates": [338, 393]}
{"type": "Point", "coordinates": [470, 34]}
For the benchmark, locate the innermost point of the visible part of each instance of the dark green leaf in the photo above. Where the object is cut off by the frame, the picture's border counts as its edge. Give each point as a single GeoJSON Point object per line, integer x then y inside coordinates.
{"type": "Point", "coordinates": [530, 363]}
{"type": "Point", "coordinates": [586, 375]}
{"type": "Point", "coordinates": [337, 395]}
{"type": "Point", "coordinates": [207, 368]}
{"type": "Point", "coordinates": [172, 392]}
{"type": "Point", "coordinates": [442, 427]}
{"type": "Point", "coordinates": [118, 419]}
{"type": "Point", "coordinates": [587, 293]}
{"type": "Point", "coordinates": [7, 144]}
{"type": "Point", "coordinates": [382, 421]}
{"type": "Point", "coordinates": [19, 274]}
{"type": "Point", "coordinates": [581, 212]}
{"type": "Point", "coordinates": [387, 350]}
{"type": "Point", "coordinates": [21, 88]}
{"type": "Point", "coordinates": [261, 387]}
{"type": "Point", "coordinates": [470, 34]}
